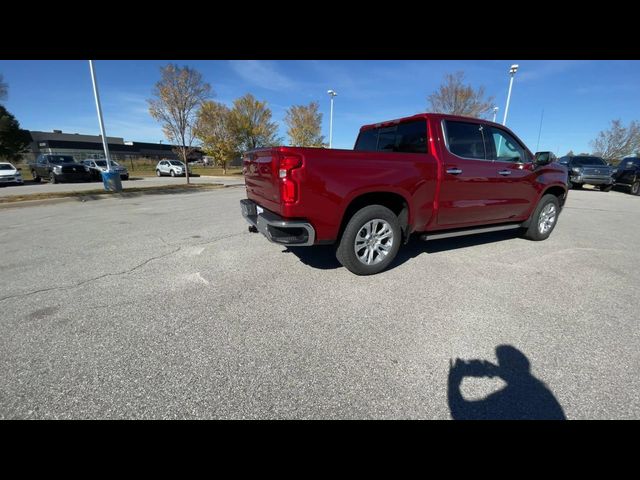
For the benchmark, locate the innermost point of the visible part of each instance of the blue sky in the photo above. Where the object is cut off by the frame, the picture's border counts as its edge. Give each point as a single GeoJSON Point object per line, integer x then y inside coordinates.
{"type": "Point", "coordinates": [579, 97]}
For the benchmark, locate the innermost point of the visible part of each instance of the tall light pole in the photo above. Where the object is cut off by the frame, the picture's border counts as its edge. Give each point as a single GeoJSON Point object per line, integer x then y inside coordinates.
{"type": "Point", "coordinates": [331, 94]}
{"type": "Point", "coordinates": [495, 112]}
{"type": "Point", "coordinates": [100, 121]}
{"type": "Point", "coordinates": [512, 72]}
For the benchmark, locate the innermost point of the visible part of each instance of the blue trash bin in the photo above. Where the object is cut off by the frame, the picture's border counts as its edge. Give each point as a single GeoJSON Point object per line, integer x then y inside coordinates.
{"type": "Point", "coordinates": [111, 181]}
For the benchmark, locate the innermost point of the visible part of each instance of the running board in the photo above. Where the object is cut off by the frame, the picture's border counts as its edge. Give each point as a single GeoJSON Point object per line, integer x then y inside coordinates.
{"type": "Point", "coordinates": [468, 231]}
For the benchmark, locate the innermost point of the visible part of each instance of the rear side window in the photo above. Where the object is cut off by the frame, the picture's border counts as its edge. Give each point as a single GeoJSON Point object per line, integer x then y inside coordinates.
{"type": "Point", "coordinates": [367, 140]}
{"type": "Point", "coordinates": [465, 139]}
{"type": "Point", "coordinates": [409, 137]}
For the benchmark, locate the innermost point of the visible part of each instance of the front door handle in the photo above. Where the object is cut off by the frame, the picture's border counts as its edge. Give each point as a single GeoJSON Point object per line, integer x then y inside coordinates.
{"type": "Point", "coordinates": [504, 172]}
{"type": "Point", "coordinates": [454, 171]}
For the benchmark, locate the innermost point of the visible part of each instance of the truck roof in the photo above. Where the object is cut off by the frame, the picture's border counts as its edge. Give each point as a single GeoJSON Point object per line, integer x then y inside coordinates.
{"type": "Point", "coordinates": [418, 116]}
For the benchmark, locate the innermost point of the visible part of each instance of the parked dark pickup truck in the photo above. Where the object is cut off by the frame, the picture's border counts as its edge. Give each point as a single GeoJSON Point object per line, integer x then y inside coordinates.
{"type": "Point", "coordinates": [627, 173]}
{"type": "Point", "coordinates": [433, 174]}
{"type": "Point", "coordinates": [588, 170]}
{"type": "Point", "coordinates": [58, 168]}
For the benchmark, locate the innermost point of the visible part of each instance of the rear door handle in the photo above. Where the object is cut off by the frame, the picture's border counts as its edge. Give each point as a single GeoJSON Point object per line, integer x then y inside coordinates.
{"type": "Point", "coordinates": [504, 172]}
{"type": "Point", "coordinates": [454, 171]}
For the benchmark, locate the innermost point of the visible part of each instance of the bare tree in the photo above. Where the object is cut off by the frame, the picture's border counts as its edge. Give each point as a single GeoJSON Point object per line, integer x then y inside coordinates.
{"type": "Point", "coordinates": [4, 89]}
{"type": "Point", "coordinates": [617, 142]}
{"type": "Point", "coordinates": [456, 98]}
{"type": "Point", "coordinates": [177, 97]}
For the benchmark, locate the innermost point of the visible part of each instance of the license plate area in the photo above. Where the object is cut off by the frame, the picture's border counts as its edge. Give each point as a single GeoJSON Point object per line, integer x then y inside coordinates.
{"type": "Point", "coordinates": [249, 208]}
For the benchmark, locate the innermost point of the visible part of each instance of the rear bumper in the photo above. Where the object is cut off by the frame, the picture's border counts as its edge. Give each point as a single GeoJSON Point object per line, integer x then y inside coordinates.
{"type": "Point", "coordinates": [276, 228]}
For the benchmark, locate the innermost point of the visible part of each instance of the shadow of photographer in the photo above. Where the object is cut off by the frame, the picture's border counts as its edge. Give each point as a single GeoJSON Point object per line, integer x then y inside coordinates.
{"type": "Point", "coordinates": [523, 398]}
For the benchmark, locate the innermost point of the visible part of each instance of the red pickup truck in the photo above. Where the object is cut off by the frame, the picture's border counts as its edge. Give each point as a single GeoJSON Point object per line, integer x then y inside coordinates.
{"type": "Point", "coordinates": [433, 174]}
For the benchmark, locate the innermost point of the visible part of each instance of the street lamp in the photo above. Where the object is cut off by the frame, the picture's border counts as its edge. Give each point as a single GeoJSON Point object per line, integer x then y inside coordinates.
{"type": "Point", "coordinates": [512, 72]}
{"type": "Point", "coordinates": [331, 94]}
{"type": "Point", "coordinates": [495, 112]}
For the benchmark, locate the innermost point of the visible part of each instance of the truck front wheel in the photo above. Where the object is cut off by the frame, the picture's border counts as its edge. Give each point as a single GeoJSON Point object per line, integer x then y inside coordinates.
{"type": "Point", "coordinates": [543, 219]}
{"type": "Point", "coordinates": [370, 240]}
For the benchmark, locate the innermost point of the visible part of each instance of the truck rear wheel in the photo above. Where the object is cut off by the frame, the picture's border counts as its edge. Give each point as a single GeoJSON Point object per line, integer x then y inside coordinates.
{"type": "Point", "coordinates": [36, 177]}
{"type": "Point", "coordinates": [370, 240]}
{"type": "Point", "coordinates": [635, 187]}
{"type": "Point", "coordinates": [543, 219]}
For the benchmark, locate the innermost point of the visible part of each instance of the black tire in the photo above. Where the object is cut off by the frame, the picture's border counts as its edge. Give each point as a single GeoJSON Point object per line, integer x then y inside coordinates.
{"type": "Point", "coordinates": [346, 253]}
{"type": "Point", "coordinates": [158, 174]}
{"type": "Point", "coordinates": [52, 178]}
{"type": "Point", "coordinates": [534, 232]}
{"type": "Point", "coordinates": [605, 188]}
{"type": "Point", "coordinates": [36, 177]}
{"type": "Point", "coordinates": [173, 173]}
{"type": "Point", "coordinates": [635, 187]}
{"type": "Point", "coordinates": [576, 186]}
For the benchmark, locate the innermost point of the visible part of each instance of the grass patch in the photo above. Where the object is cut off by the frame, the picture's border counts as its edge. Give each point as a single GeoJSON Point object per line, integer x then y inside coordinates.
{"type": "Point", "coordinates": [100, 191]}
{"type": "Point", "coordinates": [145, 170]}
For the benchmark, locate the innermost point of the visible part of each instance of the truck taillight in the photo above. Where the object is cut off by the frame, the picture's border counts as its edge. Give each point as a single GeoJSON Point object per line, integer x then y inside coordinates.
{"type": "Point", "coordinates": [287, 164]}
{"type": "Point", "coordinates": [288, 185]}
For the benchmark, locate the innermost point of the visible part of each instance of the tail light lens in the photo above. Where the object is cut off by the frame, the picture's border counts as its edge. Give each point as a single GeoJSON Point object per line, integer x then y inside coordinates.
{"type": "Point", "coordinates": [288, 185]}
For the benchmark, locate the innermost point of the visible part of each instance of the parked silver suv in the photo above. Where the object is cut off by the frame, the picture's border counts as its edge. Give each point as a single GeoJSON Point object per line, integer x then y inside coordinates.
{"type": "Point", "coordinates": [171, 167]}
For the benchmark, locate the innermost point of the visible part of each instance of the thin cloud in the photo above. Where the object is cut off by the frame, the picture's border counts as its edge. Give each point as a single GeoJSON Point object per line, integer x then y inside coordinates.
{"type": "Point", "coordinates": [537, 71]}
{"type": "Point", "coordinates": [262, 74]}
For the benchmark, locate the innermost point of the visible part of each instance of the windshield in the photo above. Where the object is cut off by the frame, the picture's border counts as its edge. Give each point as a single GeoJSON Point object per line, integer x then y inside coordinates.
{"type": "Point", "coordinates": [58, 159]}
{"type": "Point", "coordinates": [584, 161]}
{"type": "Point", "coordinates": [6, 166]}
{"type": "Point", "coordinates": [175, 162]}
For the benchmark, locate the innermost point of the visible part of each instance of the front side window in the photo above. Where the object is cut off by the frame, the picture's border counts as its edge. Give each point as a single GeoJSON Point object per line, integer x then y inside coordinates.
{"type": "Point", "coordinates": [465, 139]}
{"type": "Point", "coordinates": [505, 148]}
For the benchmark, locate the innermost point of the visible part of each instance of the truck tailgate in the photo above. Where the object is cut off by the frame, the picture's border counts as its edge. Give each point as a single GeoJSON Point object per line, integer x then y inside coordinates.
{"type": "Point", "coordinates": [261, 178]}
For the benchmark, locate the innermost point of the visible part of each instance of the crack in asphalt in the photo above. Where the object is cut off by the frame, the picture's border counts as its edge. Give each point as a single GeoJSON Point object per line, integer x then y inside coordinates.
{"type": "Point", "coordinates": [124, 272]}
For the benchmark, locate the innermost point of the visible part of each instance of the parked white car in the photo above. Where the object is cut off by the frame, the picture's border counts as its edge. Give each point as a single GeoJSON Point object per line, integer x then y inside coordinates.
{"type": "Point", "coordinates": [9, 174]}
{"type": "Point", "coordinates": [170, 167]}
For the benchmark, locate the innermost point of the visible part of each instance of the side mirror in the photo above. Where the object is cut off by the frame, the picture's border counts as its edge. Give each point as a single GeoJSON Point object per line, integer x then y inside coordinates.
{"type": "Point", "coordinates": [19, 169]}
{"type": "Point", "coordinates": [544, 158]}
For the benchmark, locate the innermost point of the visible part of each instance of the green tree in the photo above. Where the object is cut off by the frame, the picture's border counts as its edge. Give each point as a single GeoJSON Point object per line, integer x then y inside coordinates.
{"type": "Point", "coordinates": [456, 98]}
{"type": "Point", "coordinates": [13, 140]}
{"type": "Point", "coordinates": [305, 125]}
{"type": "Point", "coordinates": [213, 129]}
{"type": "Point", "coordinates": [177, 97]}
{"type": "Point", "coordinates": [251, 125]}
{"type": "Point", "coordinates": [617, 142]}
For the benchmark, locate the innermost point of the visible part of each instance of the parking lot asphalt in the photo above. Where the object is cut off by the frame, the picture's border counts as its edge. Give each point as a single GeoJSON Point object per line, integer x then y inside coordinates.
{"type": "Point", "coordinates": [165, 306]}
{"type": "Point", "coordinates": [46, 187]}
